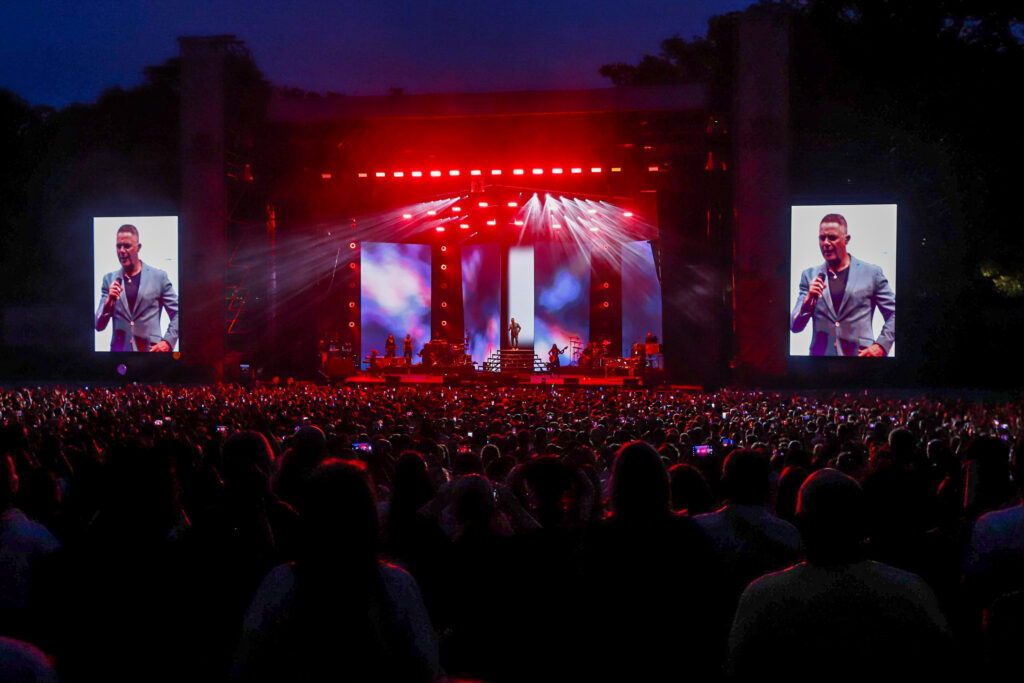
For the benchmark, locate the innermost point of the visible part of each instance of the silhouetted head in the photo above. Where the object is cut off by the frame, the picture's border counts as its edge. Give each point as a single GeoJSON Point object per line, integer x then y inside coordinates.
{"type": "Point", "coordinates": [247, 462]}
{"type": "Point", "coordinates": [745, 477]}
{"type": "Point", "coordinates": [339, 510]}
{"type": "Point", "coordinates": [690, 490]}
{"type": "Point", "coordinates": [830, 514]}
{"type": "Point", "coordinates": [639, 483]}
{"type": "Point", "coordinates": [411, 483]}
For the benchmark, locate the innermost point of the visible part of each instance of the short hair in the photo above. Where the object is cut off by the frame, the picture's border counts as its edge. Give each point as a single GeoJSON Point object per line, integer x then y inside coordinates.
{"type": "Point", "coordinates": [129, 228]}
{"type": "Point", "coordinates": [834, 218]}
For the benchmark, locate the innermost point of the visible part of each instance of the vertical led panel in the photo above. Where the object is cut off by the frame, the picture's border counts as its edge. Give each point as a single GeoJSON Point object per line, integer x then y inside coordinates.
{"type": "Point", "coordinates": [158, 290]}
{"type": "Point", "coordinates": [851, 250]}
{"type": "Point", "coordinates": [520, 292]}
{"type": "Point", "coordinates": [481, 296]}
{"type": "Point", "coordinates": [395, 295]}
{"type": "Point", "coordinates": [641, 295]}
{"type": "Point", "coordinates": [562, 297]}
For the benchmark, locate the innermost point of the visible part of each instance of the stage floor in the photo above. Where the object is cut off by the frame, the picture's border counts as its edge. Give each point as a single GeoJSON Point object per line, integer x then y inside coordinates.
{"type": "Point", "coordinates": [535, 379]}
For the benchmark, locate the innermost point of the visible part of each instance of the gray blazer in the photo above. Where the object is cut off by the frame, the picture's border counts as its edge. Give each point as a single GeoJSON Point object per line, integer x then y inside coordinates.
{"type": "Point", "coordinates": [136, 329]}
{"type": "Point", "coordinates": [846, 331]}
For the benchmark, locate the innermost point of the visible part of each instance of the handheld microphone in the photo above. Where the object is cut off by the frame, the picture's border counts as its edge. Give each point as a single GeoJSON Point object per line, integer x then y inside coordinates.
{"type": "Point", "coordinates": [821, 278]}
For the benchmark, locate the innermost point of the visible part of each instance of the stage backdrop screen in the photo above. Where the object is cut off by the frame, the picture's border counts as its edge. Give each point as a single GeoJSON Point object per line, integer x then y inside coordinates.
{"type": "Point", "coordinates": [562, 309]}
{"type": "Point", "coordinates": [481, 296]}
{"type": "Point", "coordinates": [145, 314]}
{"type": "Point", "coordinates": [395, 295]}
{"type": "Point", "coordinates": [520, 293]}
{"type": "Point", "coordinates": [856, 313]}
{"type": "Point", "coordinates": [641, 295]}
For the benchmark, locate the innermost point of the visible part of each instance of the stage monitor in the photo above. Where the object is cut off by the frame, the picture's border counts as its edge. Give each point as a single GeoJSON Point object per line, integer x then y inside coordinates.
{"type": "Point", "coordinates": [135, 284]}
{"type": "Point", "coordinates": [843, 280]}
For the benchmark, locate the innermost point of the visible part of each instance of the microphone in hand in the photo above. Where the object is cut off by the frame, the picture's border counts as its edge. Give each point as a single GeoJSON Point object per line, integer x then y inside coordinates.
{"type": "Point", "coordinates": [815, 291]}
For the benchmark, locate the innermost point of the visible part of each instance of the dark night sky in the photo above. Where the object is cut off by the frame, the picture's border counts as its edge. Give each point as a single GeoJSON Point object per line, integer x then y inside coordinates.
{"type": "Point", "coordinates": [57, 52]}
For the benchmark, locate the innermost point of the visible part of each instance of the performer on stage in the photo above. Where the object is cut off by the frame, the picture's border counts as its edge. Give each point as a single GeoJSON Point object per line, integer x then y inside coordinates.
{"type": "Point", "coordinates": [513, 333]}
{"type": "Point", "coordinates": [146, 291]}
{"type": "Point", "coordinates": [839, 298]}
{"type": "Point", "coordinates": [407, 349]}
{"type": "Point", "coordinates": [553, 361]}
{"type": "Point", "coordinates": [389, 347]}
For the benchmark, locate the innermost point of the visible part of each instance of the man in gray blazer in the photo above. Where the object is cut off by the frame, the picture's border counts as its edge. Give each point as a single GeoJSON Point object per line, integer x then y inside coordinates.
{"type": "Point", "coordinates": [841, 296]}
{"type": "Point", "coordinates": [133, 297]}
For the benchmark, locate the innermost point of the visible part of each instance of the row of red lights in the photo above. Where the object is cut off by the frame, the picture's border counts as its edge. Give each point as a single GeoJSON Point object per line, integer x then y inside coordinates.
{"type": "Point", "coordinates": [454, 173]}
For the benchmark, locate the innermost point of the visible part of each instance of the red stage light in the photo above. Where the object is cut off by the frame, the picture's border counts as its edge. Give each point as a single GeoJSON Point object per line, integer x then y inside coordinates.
{"type": "Point", "coordinates": [628, 214]}
{"type": "Point", "coordinates": [435, 174]}
{"type": "Point", "coordinates": [456, 209]}
{"type": "Point", "coordinates": [464, 226]}
{"type": "Point", "coordinates": [351, 324]}
{"type": "Point", "coordinates": [556, 171]}
{"type": "Point", "coordinates": [556, 226]}
{"type": "Point", "coordinates": [592, 211]}
{"type": "Point", "coordinates": [495, 171]}
{"type": "Point", "coordinates": [406, 215]}
{"type": "Point", "coordinates": [325, 176]}
{"type": "Point", "coordinates": [576, 170]}
{"type": "Point", "coordinates": [417, 174]}
{"type": "Point", "coordinates": [475, 172]}
{"type": "Point", "coordinates": [431, 212]}
{"type": "Point", "coordinates": [352, 245]}
{"type": "Point", "coordinates": [482, 205]}
{"type": "Point", "coordinates": [399, 174]}
{"type": "Point", "coordinates": [453, 173]}
{"type": "Point", "coordinates": [605, 285]}
{"type": "Point", "coordinates": [444, 304]}
{"type": "Point", "coordinates": [351, 304]}
{"type": "Point", "coordinates": [444, 323]}
{"type": "Point", "coordinates": [439, 228]}
{"type": "Point", "coordinates": [364, 175]}
{"type": "Point", "coordinates": [353, 265]}
{"type": "Point", "coordinates": [652, 169]}
{"type": "Point", "coordinates": [538, 171]}
{"type": "Point", "coordinates": [380, 174]}
{"type": "Point", "coordinates": [518, 171]}
{"type": "Point", "coordinates": [616, 169]}
{"type": "Point", "coordinates": [512, 205]}
{"type": "Point", "coordinates": [492, 222]}
{"type": "Point", "coordinates": [519, 222]}
{"type": "Point", "coordinates": [444, 266]}
{"type": "Point", "coordinates": [595, 169]}
{"type": "Point", "coordinates": [444, 248]}
{"type": "Point", "coordinates": [606, 304]}
{"type": "Point", "coordinates": [593, 228]}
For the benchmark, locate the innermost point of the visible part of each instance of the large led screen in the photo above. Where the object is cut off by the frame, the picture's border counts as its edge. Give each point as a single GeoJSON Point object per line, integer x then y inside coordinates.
{"type": "Point", "coordinates": [481, 296]}
{"type": "Point", "coordinates": [135, 283]}
{"type": "Point", "coordinates": [562, 310]}
{"type": "Point", "coordinates": [641, 295]}
{"type": "Point", "coordinates": [395, 295]}
{"type": "Point", "coordinates": [520, 294]}
{"type": "Point", "coordinates": [843, 280]}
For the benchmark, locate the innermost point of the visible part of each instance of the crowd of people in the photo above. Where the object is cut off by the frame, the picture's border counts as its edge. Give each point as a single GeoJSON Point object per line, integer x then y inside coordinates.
{"type": "Point", "coordinates": [504, 533]}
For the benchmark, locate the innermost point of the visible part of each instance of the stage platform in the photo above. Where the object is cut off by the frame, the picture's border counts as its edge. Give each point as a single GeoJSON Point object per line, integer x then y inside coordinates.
{"type": "Point", "coordinates": [520, 379]}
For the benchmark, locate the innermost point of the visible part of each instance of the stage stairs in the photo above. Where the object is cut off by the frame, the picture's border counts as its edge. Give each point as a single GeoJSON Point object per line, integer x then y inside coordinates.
{"type": "Point", "coordinates": [514, 360]}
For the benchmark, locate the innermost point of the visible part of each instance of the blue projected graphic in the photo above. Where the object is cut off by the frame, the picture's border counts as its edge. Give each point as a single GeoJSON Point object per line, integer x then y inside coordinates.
{"type": "Point", "coordinates": [395, 294]}
{"type": "Point", "coordinates": [641, 295]}
{"type": "Point", "coordinates": [563, 297]}
{"type": "Point", "coordinates": [481, 292]}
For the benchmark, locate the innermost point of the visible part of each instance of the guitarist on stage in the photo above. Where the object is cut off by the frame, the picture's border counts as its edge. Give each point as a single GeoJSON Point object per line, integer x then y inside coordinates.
{"type": "Point", "coordinates": [553, 361]}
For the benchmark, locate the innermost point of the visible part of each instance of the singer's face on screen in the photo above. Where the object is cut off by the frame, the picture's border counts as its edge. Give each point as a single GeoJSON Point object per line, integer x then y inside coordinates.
{"type": "Point", "coordinates": [128, 251]}
{"type": "Point", "coordinates": [832, 239]}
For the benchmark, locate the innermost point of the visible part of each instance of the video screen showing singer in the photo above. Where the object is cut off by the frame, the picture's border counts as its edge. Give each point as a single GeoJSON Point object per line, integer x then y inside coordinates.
{"type": "Point", "coordinates": [840, 296]}
{"type": "Point", "coordinates": [133, 297]}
